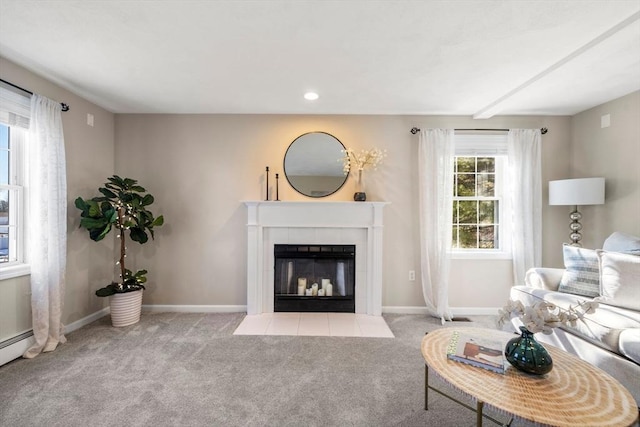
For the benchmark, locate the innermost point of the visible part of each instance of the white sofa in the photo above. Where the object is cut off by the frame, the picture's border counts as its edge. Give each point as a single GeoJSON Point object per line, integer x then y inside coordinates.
{"type": "Point", "coordinates": [610, 337]}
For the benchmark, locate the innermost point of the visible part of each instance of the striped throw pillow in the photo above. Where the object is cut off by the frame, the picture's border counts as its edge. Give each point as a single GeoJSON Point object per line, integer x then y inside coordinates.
{"type": "Point", "coordinates": [582, 272]}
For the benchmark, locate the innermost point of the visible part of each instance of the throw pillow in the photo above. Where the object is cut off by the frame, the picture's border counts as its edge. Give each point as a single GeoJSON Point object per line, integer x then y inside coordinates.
{"type": "Point", "coordinates": [582, 273]}
{"type": "Point", "coordinates": [620, 279]}
{"type": "Point", "coordinates": [621, 242]}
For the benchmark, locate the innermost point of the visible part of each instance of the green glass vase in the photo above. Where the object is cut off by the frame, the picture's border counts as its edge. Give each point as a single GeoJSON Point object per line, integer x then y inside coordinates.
{"type": "Point", "coordinates": [527, 354]}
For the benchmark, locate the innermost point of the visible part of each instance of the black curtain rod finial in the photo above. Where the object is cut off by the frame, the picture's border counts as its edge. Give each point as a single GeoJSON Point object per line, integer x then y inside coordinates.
{"type": "Point", "coordinates": [65, 107]}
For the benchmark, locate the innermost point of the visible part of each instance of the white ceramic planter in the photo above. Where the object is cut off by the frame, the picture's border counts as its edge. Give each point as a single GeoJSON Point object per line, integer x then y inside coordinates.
{"type": "Point", "coordinates": [125, 308]}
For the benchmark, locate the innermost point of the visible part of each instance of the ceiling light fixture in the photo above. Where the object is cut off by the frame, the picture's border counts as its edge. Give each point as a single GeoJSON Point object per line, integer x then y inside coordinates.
{"type": "Point", "coordinates": [311, 96]}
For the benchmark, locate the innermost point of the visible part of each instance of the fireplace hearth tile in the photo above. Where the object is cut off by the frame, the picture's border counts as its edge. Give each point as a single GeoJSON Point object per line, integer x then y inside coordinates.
{"type": "Point", "coordinates": [283, 324]}
{"type": "Point", "coordinates": [254, 325]}
{"type": "Point", "coordinates": [315, 324]}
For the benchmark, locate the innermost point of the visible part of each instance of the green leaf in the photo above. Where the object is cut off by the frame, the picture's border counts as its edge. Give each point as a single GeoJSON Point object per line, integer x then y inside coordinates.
{"type": "Point", "coordinates": [138, 235]}
{"type": "Point", "coordinates": [92, 223]}
{"type": "Point", "coordinates": [107, 290]}
{"type": "Point", "coordinates": [94, 209]}
{"type": "Point", "coordinates": [147, 200]}
{"type": "Point", "coordinates": [107, 192]}
{"type": "Point", "coordinates": [98, 234]}
{"type": "Point", "coordinates": [81, 204]}
{"type": "Point", "coordinates": [137, 188]}
{"type": "Point", "coordinates": [158, 221]}
{"type": "Point", "coordinates": [128, 182]}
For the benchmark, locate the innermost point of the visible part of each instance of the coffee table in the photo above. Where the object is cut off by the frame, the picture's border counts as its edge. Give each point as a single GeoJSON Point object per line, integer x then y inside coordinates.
{"type": "Point", "coordinates": [574, 393]}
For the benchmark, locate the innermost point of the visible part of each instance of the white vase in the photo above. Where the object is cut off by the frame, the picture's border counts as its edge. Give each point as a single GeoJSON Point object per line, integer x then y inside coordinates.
{"type": "Point", "coordinates": [125, 308]}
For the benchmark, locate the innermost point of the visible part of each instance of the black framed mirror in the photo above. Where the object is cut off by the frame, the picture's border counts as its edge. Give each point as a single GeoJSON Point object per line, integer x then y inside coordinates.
{"type": "Point", "coordinates": [312, 164]}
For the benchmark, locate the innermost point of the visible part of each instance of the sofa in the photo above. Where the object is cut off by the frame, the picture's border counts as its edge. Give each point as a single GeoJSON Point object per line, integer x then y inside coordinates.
{"type": "Point", "coordinates": [609, 338]}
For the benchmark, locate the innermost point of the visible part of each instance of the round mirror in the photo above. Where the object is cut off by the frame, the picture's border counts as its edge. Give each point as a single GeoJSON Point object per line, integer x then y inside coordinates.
{"type": "Point", "coordinates": [312, 164]}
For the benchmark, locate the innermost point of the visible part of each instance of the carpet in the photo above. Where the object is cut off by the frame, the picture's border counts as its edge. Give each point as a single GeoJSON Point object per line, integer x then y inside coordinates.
{"type": "Point", "coordinates": [188, 369]}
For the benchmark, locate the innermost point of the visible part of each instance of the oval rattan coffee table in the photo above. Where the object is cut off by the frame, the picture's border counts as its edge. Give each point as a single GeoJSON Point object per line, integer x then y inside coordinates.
{"type": "Point", "coordinates": [574, 393]}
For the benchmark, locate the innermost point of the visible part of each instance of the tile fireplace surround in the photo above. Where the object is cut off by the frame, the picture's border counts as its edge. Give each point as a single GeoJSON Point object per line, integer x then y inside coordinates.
{"type": "Point", "coordinates": [326, 222]}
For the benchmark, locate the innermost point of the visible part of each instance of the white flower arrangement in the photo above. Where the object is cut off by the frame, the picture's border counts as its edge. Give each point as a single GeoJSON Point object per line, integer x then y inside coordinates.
{"type": "Point", "coordinates": [543, 316]}
{"type": "Point", "coordinates": [361, 160]}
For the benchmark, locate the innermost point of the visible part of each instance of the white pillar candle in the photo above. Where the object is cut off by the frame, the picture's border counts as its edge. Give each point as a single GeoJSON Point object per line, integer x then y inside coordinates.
{"type": "Point", "coordinates": [320, 292]}
{"type": "Point", "coordinates": [325, 282]}
{"type": "Point", "coordinates": [301, 289]}
{"type": "Point", "coordinates": [307, 292]}
{"type": "Point", "coordinates": [302, 281]}
{"type": "Point", "coordinates": [329, 290]}
{"type": "Point", "coordinates": [314, 289]}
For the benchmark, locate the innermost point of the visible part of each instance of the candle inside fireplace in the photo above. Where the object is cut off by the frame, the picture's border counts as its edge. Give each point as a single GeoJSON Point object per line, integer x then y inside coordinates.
{"type": "Point", "coordinates": [328, 291]}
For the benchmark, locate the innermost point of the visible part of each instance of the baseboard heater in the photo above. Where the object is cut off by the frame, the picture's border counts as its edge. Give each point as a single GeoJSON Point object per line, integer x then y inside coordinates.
{"type": "Point", "coordinates": [14, 347]}
{"type": "Point", "coordinates": [16, 339]}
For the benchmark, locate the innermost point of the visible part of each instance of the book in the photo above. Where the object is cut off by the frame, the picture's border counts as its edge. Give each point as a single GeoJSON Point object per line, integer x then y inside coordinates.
{"type": "Point", "coordinates": [477, 351]}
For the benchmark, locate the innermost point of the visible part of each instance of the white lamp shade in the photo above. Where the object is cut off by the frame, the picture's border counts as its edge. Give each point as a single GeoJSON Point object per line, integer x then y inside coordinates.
{"type": "Point", "coordinates": [582, 191]}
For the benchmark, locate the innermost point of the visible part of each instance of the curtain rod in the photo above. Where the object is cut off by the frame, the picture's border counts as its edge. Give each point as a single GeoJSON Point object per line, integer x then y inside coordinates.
{"type": "Point", "coordinates": [65, 107]}
{"type": "Point", "coordinates": [415, 130]}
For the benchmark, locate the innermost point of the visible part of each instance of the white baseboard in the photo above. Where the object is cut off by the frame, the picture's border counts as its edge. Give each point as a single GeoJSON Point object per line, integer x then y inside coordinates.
{"type": "Point", "coordinates": [456, 311]}
{"type": "Point", "coordinates": [86, 320]}
{"type": "Point", "coordinates": [195, 308]}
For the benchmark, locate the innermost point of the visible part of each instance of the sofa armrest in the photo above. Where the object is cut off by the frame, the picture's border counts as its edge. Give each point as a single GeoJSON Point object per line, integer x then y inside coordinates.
{"type": "Point", "coordinates": [544, 278]}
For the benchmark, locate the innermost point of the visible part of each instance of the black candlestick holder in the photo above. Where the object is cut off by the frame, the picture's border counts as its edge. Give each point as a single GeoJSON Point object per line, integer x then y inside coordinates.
{"type": "Point", "coordinates": [267, 192]}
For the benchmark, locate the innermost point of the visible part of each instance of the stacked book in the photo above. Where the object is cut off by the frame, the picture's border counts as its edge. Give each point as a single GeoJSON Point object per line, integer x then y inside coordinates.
{"type": "Point", "coordinates": [477, 351]}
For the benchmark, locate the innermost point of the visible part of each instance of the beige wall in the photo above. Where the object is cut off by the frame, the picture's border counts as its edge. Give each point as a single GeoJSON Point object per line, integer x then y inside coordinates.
{"type": "Point", "coordinates": [200, 168]}
{"type": "Point", "coordinates": [614, 153]}
{"type": "Point", "coordinates": [90, 159]}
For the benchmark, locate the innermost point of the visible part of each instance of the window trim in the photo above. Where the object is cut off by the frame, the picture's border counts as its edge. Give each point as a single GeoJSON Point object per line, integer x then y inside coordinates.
{"type": "Point", "coordinates": [473, 145]}
{"type": "Point", "coordinates": [17, 209]}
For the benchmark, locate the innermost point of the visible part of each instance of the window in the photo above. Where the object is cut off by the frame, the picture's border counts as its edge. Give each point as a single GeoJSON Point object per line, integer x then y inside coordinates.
{"type": "Point", "coordinates": [14, 125]}
{"type": "Point", "coordinates": [480, 225]}
{"type": "Point", "coordinates": [11, 195]}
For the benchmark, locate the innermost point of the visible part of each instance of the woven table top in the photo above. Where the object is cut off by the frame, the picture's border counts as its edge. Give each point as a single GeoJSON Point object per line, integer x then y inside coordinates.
{"type": "Point", "coordinates": [574, 393]}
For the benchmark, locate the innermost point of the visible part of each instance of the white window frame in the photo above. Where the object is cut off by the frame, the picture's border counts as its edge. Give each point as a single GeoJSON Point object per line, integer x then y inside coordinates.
{"type": "Point", "coordinates": [17, 264]}
{"type": "Point", "coordinates": [490, 145]}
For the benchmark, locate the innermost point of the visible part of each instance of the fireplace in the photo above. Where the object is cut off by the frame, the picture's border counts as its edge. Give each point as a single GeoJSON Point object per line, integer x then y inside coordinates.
{"type": "Point", "coordinates": [322, 223]}
{"type": "Point", "coordinates": [316, 278]}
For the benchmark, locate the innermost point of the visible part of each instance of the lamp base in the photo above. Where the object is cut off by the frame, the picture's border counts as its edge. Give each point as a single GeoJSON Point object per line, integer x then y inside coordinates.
{"type": "Point", "coordinates": [575, 227]}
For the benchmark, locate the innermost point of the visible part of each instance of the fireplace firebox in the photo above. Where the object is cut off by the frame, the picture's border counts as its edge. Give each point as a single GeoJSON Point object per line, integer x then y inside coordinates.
{"type": "Point", "coordinates": [314, 278]}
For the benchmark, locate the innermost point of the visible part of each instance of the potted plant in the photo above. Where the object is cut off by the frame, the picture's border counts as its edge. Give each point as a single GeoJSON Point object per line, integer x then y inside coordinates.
{"type": "Point", "coordinates": [123, 206]}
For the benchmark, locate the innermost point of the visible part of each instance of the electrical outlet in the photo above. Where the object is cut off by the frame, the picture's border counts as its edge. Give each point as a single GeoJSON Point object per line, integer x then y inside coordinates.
{"type": "Point", "coordinates": [412, 275]}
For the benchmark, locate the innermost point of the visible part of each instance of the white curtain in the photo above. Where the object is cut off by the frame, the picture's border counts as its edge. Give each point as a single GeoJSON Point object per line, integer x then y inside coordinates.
{"type": "Point", "coordinates": [46, 223]}
{"type": "Point", "coordinates": [525, 179]}
{"type": "Point", "coordinates": [435, 182]}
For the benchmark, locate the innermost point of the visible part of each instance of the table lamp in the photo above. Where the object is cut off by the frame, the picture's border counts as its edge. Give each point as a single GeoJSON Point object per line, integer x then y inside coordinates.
{"type": "Point", "coordinates": [576, 192]}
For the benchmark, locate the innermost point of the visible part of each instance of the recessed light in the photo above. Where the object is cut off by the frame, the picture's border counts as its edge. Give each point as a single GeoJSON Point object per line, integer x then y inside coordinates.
{"type": "Point", "coordinates": [311, 96]}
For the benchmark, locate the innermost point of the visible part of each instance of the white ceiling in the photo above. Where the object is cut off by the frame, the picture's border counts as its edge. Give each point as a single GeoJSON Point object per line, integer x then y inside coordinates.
{"type": "Point", "coordinates": [473, 57]}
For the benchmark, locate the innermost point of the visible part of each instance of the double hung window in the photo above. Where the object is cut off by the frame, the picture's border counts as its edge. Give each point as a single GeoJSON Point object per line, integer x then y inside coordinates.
{"type": "Point", "coordinates": [14, 123]}
{"type": "Point", "coordinates": [480, 220]}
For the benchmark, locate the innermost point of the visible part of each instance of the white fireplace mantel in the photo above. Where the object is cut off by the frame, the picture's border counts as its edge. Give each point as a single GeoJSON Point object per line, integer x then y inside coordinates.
{"type": "Point", "coordinates": [326, 222]}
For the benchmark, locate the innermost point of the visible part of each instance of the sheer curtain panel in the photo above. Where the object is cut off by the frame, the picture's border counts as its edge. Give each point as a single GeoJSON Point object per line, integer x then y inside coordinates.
{"type": "Point", "coordinates": [435, 183]}
{"type": "Point", "coordinates": [46, 223]}
{"type": "Point", "coordinates": [525, 178]}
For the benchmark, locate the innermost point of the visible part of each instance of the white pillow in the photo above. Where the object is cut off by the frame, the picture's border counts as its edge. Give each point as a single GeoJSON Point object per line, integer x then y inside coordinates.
{"type": "Point", "coordinates": [581, 275]}
{"type": "Point", "coordinates": [621, 242]}
{"type": "Point", "coordinates": [620, 279]}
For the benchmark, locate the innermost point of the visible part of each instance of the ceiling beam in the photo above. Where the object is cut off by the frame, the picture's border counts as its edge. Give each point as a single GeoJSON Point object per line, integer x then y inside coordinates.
{"type": "Point", "coordinates": [497, 106]}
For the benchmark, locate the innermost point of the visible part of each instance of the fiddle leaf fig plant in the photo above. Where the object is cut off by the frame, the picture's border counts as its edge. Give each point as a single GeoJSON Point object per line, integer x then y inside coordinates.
{"type": "Point", "coordinates": [123, 206]}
